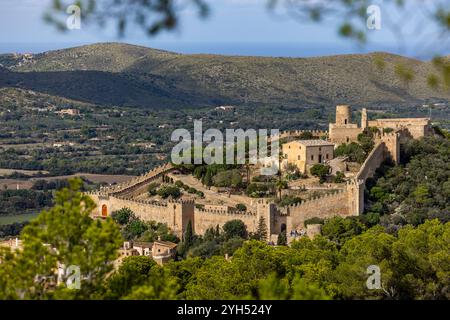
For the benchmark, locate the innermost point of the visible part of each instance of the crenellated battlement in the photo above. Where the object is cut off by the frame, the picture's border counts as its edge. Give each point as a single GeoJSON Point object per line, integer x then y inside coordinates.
{"type": "Point", "coordinates": [227, 212]}
{"type": "Point", "coordinates": [338, 203]}
{"type": "Point", "coordinates": [297, 133]}
{"type": "Point", "coordinates": [313, 201]}
{"type": "Point", "coordinates": [150, 203]}
{"type": "Point", "coordinates": [182, 201]}
{"type": "Point", "coordinates": [137, 181]}
{"type": "Point", "coordinates": [354, 182]}
{"type": "Point", "coordinates": [155, 203]}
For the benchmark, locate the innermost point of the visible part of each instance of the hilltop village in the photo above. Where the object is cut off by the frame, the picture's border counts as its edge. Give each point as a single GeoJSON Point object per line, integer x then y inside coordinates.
{"type": "Point", "coordinates": [304, 154]}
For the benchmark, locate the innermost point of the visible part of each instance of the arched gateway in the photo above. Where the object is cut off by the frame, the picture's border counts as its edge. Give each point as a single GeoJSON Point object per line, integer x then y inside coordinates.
{"type": "Point", "coordinates": [104, 211]}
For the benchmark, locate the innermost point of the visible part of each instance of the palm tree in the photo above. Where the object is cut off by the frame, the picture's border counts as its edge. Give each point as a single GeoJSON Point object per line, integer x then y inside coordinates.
{"type": "Point", "coordinates": [281, 184]}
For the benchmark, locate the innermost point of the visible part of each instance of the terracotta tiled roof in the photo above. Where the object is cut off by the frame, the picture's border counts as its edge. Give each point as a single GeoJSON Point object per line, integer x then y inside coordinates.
{"type": "Point", "coordinates": [169, 244]}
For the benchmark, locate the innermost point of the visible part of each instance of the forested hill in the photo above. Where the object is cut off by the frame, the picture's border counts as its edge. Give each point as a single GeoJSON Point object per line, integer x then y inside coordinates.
{"type": "Point", "coordinates": [122, 74]}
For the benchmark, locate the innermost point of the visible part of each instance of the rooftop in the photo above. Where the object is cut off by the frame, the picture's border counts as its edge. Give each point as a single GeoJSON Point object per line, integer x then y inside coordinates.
{"type": "Point", "coordinates": [401, 119]}
{"type": "Point", "coordinates": [143, 244]}
{"type": "Point", "coordinates": [166, 243]}
{"type": "Point", "coordinates": [315, 142]}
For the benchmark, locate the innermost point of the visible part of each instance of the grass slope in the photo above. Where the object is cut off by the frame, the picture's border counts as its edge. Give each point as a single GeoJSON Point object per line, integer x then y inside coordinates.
{"type": "Point", "coordinates": [121, 74]}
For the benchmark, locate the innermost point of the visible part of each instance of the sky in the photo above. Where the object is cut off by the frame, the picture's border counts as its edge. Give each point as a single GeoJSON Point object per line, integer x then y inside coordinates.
{"type": "Point", "coordinates": [236, 27]}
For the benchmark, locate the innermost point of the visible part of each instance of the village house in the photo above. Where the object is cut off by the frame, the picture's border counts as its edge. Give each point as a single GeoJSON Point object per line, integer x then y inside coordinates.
{"type": "Point", "coordinates": [69, 112]}
{"type": "Point", "coordinates": [160, 251]}
{"type": "Point", "coordinates": [163, 251]}
{"type": "Point", "coordinates": [225, 108]}
{"type": "Point", "coordinates": [306, 153]}
{"type": "Point", "coordinates": [13, 244]}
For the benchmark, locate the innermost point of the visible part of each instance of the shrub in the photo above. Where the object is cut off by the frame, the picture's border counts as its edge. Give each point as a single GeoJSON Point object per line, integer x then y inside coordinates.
{"type": "Point", "coordinates": [179, 184]}
{"type": "Point", "coordinates": [152, 188]}
{"type": "Point", "coordinates": [353, 151]}
{"type": "Point", "coordinates": [256, 190]}
{"type": "Point", "coordinates": [229, 178]}
{"type": "Point", "coordinates": [320, 170]}
{"type": "Point", "coordinates": [234, 229]}
{"type": "Point", "coordinates": [200, 194]}
{"type": "Point", "coordinates": [192, 190]}
{"type": "Point", "coordinates": [289, 200]}
{"type": "Point", "coordinates": [169, 191]}
{"type": "Point", "coordinates": [122, 216]}
{"type": "Point", "coordinates": [135, 228]}
{"type": "Point", "coordinates": [314, 220]}
{"type": "Point", "coordinates": [339, 177]}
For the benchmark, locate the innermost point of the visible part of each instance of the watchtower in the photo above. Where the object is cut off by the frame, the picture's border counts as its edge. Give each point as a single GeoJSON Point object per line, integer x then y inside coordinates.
{"type": "Point", "coordinates": [364, 123]}
{"type": "Point", "coordinates": [343, 115]}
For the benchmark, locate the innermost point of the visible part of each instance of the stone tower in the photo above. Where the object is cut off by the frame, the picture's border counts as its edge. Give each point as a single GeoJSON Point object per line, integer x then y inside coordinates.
{"type": "Point", "coordinates": [181, 211]}
{"type": "Point", "coordinates": [364, 118]}
{"type": "Point", "coordinates": [355, 191]}
{"type": "Point", "coordinates": [343, 115]}
{"type": "Point", "coordinates": [343, 131]}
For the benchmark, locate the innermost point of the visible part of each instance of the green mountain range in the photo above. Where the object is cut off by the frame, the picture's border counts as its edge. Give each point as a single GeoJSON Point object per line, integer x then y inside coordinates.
{"type": "Point", "coordinates": [128, 75]}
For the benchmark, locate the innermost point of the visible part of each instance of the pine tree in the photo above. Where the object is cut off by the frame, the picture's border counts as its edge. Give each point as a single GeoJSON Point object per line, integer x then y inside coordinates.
{"type": "Point", "coordinates": [63, 237]}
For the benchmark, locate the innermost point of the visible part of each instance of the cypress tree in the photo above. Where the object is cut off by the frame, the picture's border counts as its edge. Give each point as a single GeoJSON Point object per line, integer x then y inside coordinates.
{"type": "Point", "coordinates": [188, 236]}
{"type": "Point", "coordinates": [217, 231]}
{"type": "Point", "coordinates": [262, 229]}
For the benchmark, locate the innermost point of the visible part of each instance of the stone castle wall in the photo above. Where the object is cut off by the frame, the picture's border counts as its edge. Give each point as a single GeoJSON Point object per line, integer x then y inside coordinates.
{"type": "Point", "coordinates": [135, 185]}
{"type": "Point", "coordinates": [417, 127]}
{"type": "Point", "coordinates": [208, 218]}
{"type": "Point", "coordinates": [337, 204]}
{"type": "Point", "coordinates": [297, 133]}
{"type": "Point", "coordinates": [170, 213]}
{"type": "Point", "coordinates": [176, 214]}
{"type": "Point", "coordinates": [372, 162]}
{"type": "Point", "coordinates": [344, 134]}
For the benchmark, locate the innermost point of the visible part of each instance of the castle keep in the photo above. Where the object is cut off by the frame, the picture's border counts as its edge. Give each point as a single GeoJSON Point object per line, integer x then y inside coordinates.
{"type": "Point", "coordinates": [343, 130]}
{"type": "Point", "coordinates": [348, 200]}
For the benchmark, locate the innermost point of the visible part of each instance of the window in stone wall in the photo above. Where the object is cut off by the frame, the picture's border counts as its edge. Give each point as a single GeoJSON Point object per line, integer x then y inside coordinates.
{"type": "Point", "coordinates": [312, 157]}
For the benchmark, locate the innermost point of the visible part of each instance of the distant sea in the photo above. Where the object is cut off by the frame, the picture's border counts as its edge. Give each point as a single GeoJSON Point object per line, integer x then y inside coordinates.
{"type": "Point", "coordinates": [269, 49]}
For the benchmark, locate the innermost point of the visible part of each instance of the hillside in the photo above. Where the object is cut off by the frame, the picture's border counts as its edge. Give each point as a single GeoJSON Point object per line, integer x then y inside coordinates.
{"type": "Point", "coordinates": [122, 74]}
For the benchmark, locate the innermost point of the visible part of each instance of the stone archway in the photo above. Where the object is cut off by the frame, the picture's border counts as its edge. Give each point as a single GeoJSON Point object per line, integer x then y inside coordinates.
{"type": "Point", "coordinates": [104, 210]}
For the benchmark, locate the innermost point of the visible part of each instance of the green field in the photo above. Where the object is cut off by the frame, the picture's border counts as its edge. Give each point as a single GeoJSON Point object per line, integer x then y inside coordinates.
{"type": "Point", "coordinates": [17, 218]}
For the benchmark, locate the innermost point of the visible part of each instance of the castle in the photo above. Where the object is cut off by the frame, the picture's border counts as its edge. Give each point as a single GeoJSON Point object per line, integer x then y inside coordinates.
{"type": "Point", "coordinates": [344, 131]}
{"type": "Point", "coordinates": [347, 201]}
